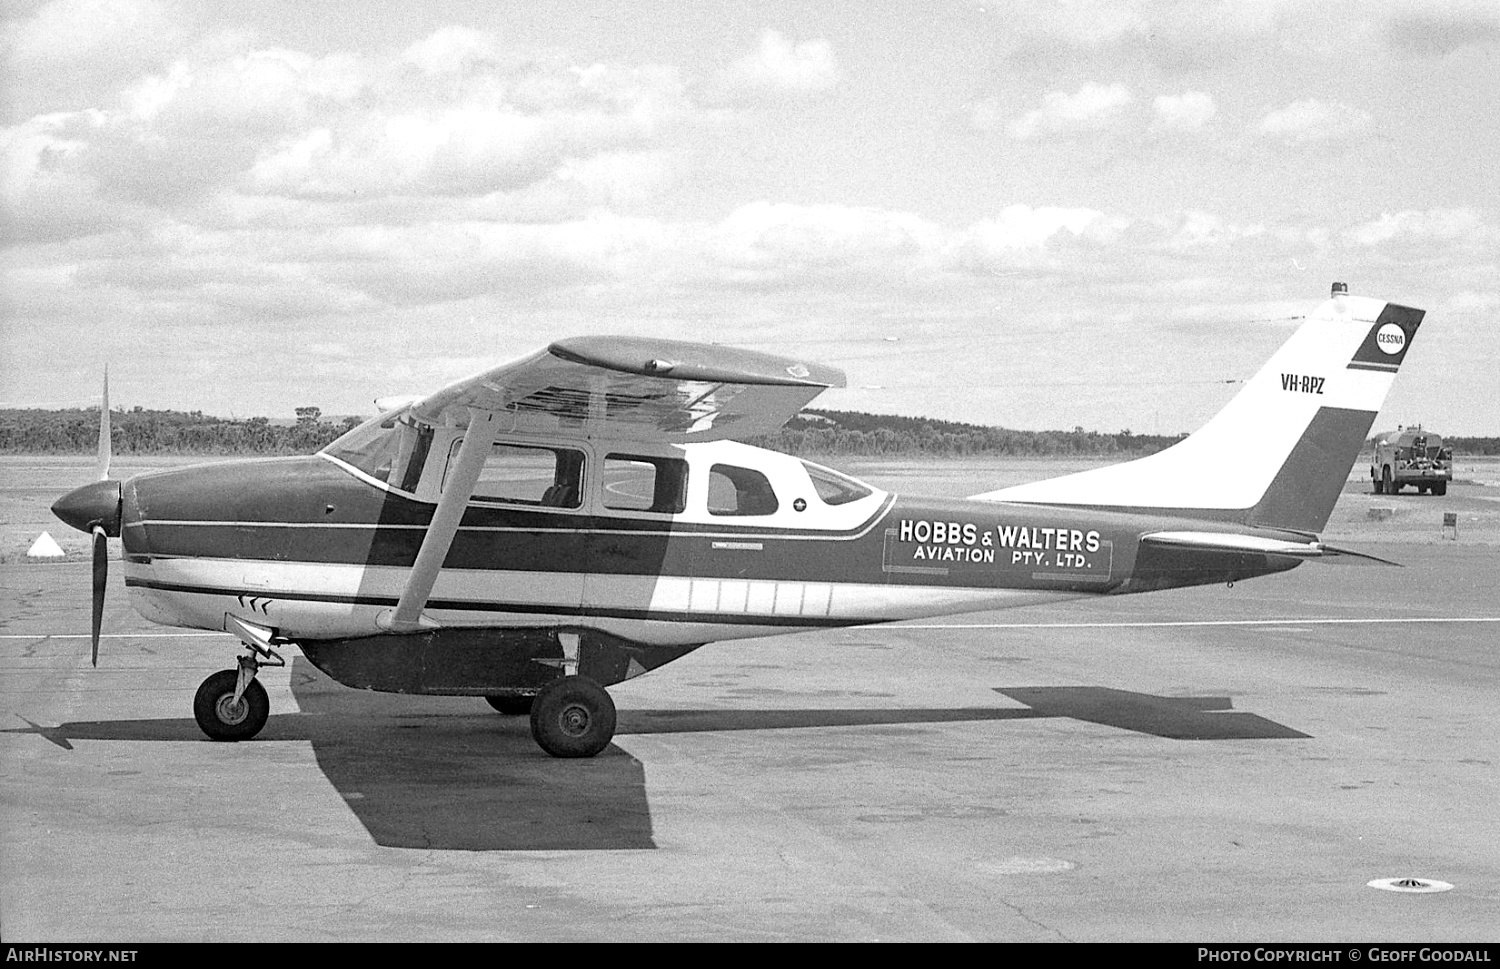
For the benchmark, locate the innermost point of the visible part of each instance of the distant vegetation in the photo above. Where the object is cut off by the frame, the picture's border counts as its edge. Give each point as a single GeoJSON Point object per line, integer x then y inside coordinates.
{"type": "Point", "coordinates": [1471, 446]}
{"type": "Point", "coordinates": [851, 433]}
{"type": "Point", "coordinates": [141, 431]}
{"type": "Point", "coordinates": [813, 432]}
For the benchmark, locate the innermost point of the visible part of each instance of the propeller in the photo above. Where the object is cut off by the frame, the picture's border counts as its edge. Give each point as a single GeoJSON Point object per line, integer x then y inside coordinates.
{"type": "Point", "coordinates": [96, 508]}
{"type": "Point", "coordinates": [101, 580]}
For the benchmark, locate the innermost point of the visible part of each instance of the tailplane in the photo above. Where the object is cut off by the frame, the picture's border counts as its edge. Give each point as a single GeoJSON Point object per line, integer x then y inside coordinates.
{"type": "Point", "coordinates": [1280, 452]}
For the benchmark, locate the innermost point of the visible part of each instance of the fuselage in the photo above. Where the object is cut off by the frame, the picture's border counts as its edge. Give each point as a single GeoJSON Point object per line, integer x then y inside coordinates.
{"type": "Point", "coordinates": [319, 547]}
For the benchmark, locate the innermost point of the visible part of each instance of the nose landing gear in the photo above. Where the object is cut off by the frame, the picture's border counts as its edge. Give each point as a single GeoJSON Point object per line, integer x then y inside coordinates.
{"type": "Point", "coordinates": [231, 704]}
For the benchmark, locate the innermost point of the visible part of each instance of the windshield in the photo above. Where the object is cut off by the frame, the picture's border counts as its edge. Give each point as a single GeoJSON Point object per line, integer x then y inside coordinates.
{"type": "Point", "coordinates": [382, 445]}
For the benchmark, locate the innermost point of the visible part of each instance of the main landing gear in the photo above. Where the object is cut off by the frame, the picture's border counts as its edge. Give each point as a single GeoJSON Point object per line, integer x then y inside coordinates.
{"type": "Point", "coordinates": [573, 717]}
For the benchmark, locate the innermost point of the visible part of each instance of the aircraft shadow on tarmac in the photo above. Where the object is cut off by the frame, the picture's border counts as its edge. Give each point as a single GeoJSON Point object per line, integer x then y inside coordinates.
{"type": "Point", "coordinates": [419, 773]}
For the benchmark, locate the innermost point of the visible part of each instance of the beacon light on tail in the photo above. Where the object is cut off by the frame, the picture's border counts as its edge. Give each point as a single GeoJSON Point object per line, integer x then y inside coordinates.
{"type": "Point", "coordinates": [564, 522]}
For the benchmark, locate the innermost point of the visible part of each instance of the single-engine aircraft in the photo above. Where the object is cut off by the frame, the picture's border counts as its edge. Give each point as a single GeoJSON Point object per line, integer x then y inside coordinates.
{"type": "Point", "coordinates": [571, 519]}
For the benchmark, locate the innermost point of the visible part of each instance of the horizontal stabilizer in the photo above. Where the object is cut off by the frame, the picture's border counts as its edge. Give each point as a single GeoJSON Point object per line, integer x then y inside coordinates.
{"type": "Point", "coordinates": [1266, 545]}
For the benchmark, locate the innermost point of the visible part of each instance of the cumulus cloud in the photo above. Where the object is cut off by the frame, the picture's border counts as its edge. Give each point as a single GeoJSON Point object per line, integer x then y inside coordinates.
{"type": "Point", "coordinates": [1192, 34]}
{"type": "Point", "coordinates": [1084, 23]}
{"type": "Point", "coordinates": [1461, 225]}
{"type": "Point", "coordinates": [1430, 29]}
{"type": "Point", "coordinates": [1311, 121]}
{"type": "Point", "coordinates": [1024, 227]}
{"type": "Point", "coordinates": [764, 242]}
{"type": "Point", "coordinates": [1093, 107]}
{"type": "Point", "coordinates": [69, 32]}
{"type": "Point", "coordinates": [1026, 236]}
{"type": "Point", "coordinates": [450, 50]}
{"type": "Point", "coordinates": [1188, 111]}
{"type": "Point", "coordinates": [343, 126]}
{"type": "Point", "coordinates": [1170, 33]}
{"type": "Point", "coordinates": [777, 70]}
{"type": "Point", "coordinates": [1195, 228]}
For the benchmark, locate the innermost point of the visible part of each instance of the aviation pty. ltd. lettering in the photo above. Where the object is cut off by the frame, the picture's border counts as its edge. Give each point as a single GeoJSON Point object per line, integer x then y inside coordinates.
{"type": "Point", "coordinates": [1025, 545]}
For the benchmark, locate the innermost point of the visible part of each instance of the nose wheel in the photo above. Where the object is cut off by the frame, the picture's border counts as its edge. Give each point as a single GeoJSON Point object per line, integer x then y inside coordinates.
{"type": "Point", "coordinates": [231, 704]}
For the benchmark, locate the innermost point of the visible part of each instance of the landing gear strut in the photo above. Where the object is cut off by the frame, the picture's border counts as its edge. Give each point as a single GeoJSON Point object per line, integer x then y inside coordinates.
{"type": "Point", "coordinates": [573, 717]}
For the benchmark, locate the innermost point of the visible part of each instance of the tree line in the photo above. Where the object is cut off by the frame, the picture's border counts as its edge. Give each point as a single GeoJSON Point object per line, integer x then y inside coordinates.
{"type": "Point", "coordinates": [141, 431]}
{"type": "Point", "coordinates": [811, 433]}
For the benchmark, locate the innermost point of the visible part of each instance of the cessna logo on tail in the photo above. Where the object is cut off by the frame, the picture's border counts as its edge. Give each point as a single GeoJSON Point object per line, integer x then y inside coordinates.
{"type": "Point", "coordinates": [1390, 338]}
{"type": "Point", "coordinates": [1301, 383]}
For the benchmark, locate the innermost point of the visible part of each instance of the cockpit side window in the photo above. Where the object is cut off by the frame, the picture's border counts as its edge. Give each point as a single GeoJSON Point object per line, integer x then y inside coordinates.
{"type": "Point", "coordinates": [528, 475]}
{"type": "Point", "coordinates": [739, 491]}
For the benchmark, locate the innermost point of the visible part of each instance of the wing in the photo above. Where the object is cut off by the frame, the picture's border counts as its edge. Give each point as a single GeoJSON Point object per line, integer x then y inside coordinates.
{"type": "Point", "coordinates": [637, 389]}
{"type": "Point", "coordinates": [616, 387]}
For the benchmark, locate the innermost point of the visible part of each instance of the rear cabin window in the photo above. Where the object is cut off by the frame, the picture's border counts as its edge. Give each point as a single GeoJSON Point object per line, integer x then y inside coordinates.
{"type": "Point", "coordinates": [739, 491]}
{"type": "Point", "coordinates": [834, 488]}
{"type": "Point", "coordinates": [633, 482]}
{"type": "Point", "coordinates": [525, 475]}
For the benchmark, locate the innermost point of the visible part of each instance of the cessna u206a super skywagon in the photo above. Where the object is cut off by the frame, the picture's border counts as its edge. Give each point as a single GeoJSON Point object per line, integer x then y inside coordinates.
{"type": "Point", "coordinates": [574, 518]}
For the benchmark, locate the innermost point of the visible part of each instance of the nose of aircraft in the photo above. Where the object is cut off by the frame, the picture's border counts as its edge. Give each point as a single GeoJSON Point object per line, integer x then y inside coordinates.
{"type": "Point", "coordinates": [93, 504]}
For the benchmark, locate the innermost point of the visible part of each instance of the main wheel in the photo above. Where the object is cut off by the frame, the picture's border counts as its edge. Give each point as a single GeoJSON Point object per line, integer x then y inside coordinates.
{"type": "Point", "coordinates": [223, 719]}
{"type": "Point", "coordinates": [511, 704]}
{"type": "Point", "coordinates": [573, 717]}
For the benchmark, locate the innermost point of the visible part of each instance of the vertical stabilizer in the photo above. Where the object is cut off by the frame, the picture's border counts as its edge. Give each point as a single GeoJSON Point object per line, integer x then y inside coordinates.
{"type": "Point", "coordinates": [1279, 453]}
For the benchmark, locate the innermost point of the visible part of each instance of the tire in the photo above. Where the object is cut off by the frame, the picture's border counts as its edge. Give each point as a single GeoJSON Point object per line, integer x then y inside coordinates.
{"type": "Point", "coordinates": [1385, 479]}
{"type": "Point", "coordinates": [220, 718]}
{"type": "Point", "coordinates": [573, 717]}
{"type": "Point", "coordinates": [1376, 483]}
{"type": "Point", "coordinates": [511, 704]}
{"type": "Point", "coordinates": [1441, 488]}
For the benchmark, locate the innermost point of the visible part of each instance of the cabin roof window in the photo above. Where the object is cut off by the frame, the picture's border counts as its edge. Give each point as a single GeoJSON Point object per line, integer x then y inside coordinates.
{"type": "Point", "coordinates": [834, 488]}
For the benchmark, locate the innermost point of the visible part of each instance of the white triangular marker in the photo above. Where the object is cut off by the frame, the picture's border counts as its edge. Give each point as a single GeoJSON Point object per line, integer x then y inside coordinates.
{"type": "Point", "coordinates": [45, 547]}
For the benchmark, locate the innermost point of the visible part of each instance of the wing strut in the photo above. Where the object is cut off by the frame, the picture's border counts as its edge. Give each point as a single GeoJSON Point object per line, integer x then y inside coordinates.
{"type": "Point", "coordinates": [462, 477]}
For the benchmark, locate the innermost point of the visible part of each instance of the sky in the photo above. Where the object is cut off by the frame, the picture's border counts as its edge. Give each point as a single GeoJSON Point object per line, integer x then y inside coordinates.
{"type": "Point", "coordinates": [1034, 214]}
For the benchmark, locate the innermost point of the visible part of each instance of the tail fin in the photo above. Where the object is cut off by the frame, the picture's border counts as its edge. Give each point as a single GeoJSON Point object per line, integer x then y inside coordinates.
{"type": "Point", "coordinates": [1279, 453]}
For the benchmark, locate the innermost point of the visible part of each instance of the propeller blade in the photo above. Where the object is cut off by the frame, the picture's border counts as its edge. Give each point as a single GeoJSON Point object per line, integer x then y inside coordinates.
{"type": "Point", "coordinates": [104, 443]}
{"type": "Point", "coordinates": [101, 577]}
